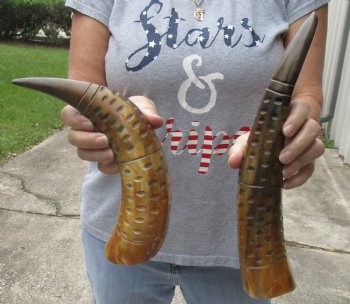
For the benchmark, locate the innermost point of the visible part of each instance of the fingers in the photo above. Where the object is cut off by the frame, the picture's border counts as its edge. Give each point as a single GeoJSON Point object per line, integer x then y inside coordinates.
{"type": "Point", "coordinates": [236, 152]}
{"type": "Point", "coordinates": [100, 155]}
{"type": "Point", "coordinates": [108, 167]}
{"type": "Point", "coordinates": [72, 118]}
{"type": "Point", "coordinates": [302, 147]}
{"type": "Point", "coordinates": [94, 146]}
{"type": "Point", "coordinates": [91, 146]}
{"type": "Point", "coordinates": [300, 132]}
{"type": "Point", "coordinates": [299, 111]}
{"type": "Point", "coordinates": [303, 139]}
{"type": "Point", "coordinates": [300, 178]}
{"type": "Point", "coordinates": [87, 140]}
{"type": "Point", "coordinates": [104, 158]}
{"type": "Point", "coordinates": [309, 155]}
{"type": "Point", "coordinates": [300, 170]}
{"type": "Point", "coordinates": [148, 108]}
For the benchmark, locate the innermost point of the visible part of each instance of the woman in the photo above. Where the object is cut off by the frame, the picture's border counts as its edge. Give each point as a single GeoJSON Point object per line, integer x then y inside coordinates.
{"type": "Point", "coordinates": [203, 67]}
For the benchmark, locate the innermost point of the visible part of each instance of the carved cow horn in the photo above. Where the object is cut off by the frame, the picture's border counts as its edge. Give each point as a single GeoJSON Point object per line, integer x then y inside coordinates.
{"type": "Point", "coordinates": [143, 216]}
{"type": "Point", "coordinates": [264, 265]}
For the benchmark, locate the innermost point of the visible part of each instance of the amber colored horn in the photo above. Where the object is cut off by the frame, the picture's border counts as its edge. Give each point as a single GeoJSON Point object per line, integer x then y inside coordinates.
{"type": "Point", "coordinates": [143, 216]}
{"type": "Point", "coordinates": [264, 265]}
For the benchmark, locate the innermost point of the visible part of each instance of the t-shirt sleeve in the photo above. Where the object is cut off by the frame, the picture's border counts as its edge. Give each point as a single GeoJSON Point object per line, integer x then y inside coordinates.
{"type": "Point", "coordinates": [298, 8]}
{"type": "Point", "coordinates": [99, 10]}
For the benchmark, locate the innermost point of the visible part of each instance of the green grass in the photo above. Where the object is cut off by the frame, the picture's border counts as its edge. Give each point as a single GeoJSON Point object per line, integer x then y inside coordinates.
{"type": "Point", "coordinates": [27, 117]}
{"type": "Point", "coordinates": [329, 143]}
{"type": "Point", "coordinates": [39, 1]}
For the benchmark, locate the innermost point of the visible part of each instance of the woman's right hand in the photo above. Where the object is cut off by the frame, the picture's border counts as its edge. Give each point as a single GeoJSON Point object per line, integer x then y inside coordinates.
{"type": "Point", "coordinates": [91, 144]}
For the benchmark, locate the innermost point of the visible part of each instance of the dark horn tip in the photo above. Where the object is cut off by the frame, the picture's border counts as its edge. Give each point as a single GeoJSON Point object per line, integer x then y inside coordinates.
{"type": "Point", "coordinates": [24, 82]}
{"type": "Point", "coordinates": [70, 91]}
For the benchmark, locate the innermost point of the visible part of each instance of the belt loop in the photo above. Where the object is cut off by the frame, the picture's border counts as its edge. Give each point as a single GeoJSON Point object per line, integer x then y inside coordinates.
{"type": "Point", "coordinates": [173, 270]}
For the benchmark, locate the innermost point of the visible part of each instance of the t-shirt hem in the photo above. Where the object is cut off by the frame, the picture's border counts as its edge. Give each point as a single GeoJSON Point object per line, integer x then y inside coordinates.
{"type": "Point", "coordinates": [178, 259]}
{"type": "Point", "coordinates": [88, 11]}
{"type": "Point", "coordinates": [306, 9]}
{"type": "Point", "coordinates": [97, 233]}
{"type": "Point", "coordinates": [201, 261]}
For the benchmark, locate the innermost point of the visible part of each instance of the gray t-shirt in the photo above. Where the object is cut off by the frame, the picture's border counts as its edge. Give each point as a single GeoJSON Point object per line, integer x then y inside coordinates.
{"type": "Point", "coordinates": [206, 78]}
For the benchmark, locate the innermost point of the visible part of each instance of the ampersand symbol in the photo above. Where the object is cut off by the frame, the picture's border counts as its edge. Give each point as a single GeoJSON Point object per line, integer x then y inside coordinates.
{"type": "Point", "coordinates": [200, 82]}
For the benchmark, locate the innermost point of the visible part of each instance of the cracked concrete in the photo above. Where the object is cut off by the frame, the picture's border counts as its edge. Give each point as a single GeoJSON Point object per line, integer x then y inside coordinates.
{"type": "Point", "coordinates": [41, 256]}
{"type": "Point", "coordinates": [317, 213]}
{"type": "Point", "coordinates": [321, 277]}
{"type": "Point", "coordinates": [50, 171]}
{"type": "Point", "coordinates": [305, 246]}
{"type": "Point", "coordinates": [14, 197]}
{"type": "Point", "coordinates": [41, 260]}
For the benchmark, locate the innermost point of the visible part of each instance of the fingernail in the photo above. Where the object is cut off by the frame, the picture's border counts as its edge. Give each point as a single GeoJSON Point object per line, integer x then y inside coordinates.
{"type": "Point", "coordinates": [101, 140]}
{"type": "Point", "coordinates": [289, 130]}
{"type": "Point", "coordinates": [287, 173]}
{"type": "Point", "coordinates": [110, 156]}
{"type": "Point", "coordinates": [286, 186]}
{"type": "Point", "coordinates": [285, 157]}
{"type": "Point", "coordinates": [156, 116]}
{"type": "Point", "coordinates": [88, 125]}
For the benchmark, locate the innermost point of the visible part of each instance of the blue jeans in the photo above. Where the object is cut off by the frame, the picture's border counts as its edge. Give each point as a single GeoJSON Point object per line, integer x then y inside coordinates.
{"type": "Point", "coordinates": [154, 282]}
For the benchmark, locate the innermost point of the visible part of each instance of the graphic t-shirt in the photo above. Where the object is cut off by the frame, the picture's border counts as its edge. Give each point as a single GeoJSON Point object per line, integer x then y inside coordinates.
{"type": "Point", "coordinates": [206, 79]}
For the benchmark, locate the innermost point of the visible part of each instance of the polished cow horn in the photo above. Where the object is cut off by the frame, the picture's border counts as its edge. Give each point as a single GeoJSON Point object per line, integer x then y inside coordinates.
{"type": "Point", "coordinates": [264, 266]}
{"type": "Point", "coordinates": [143, 216]}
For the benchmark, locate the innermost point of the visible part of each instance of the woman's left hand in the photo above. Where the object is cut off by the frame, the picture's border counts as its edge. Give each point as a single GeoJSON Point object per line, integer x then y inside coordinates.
{"type": "Point", "coordinates": [302, 146]}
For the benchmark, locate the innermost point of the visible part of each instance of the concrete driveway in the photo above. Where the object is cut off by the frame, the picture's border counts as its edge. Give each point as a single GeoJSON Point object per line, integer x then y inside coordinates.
{"type": "Point", "coordinates": [41, 256]}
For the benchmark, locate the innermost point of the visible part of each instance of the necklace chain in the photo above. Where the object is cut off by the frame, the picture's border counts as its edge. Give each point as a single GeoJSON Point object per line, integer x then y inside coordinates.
{"type": "Point", "coordinates": [198, 14]}
{"type": "Point", "coordinates": [197, 2]}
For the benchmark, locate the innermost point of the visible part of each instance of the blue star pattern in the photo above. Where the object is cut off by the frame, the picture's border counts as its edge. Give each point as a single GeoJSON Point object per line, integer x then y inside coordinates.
{"type": "Point", "coordinates": [173, 27]}
{"type": "Point", "coordinates": [203, 37]}
{"type": "Point", "coordinates": [153, 37]}
{"type": "Point", "coordinates": [256, 39]}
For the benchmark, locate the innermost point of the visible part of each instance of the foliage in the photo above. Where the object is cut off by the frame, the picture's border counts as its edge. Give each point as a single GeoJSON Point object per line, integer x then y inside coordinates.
{"type": "Point", "coordinates": [329, 143]}
{"type": "Point", "coordinates": [22, 19]}
{"type": "Point", "coordinates": [27, 117]}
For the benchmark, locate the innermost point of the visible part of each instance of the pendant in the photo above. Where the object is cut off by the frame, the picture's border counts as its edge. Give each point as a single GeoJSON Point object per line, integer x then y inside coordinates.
{"type": "Point", "coordinates": [199, 14]}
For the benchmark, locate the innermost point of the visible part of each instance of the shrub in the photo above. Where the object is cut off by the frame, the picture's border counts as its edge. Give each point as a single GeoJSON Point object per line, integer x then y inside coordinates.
{"type": "Point", "coordinates": [22, 19]}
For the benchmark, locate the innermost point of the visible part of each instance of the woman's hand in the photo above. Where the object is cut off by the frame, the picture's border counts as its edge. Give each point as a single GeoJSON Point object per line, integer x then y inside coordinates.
{"type": "Point", "coordinates": [87, 63]}
{"type": "Point", "coordinates": [302, 147]}
{"type": "Point", "coordinates": [301, 128]}
{"type": "Point", "coordinates": [93, 145]}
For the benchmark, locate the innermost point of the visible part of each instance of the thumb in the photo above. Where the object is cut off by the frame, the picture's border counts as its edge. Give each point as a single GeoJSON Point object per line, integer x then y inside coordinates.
{"type": "Point", "coordinates": [236, 153]}
{"type": "Point", "coordinates": [148, 108]}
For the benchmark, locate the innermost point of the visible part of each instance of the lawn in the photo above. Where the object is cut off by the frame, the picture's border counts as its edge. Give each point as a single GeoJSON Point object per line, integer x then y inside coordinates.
{"type": "Point", "coordinates": [27, 117]}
